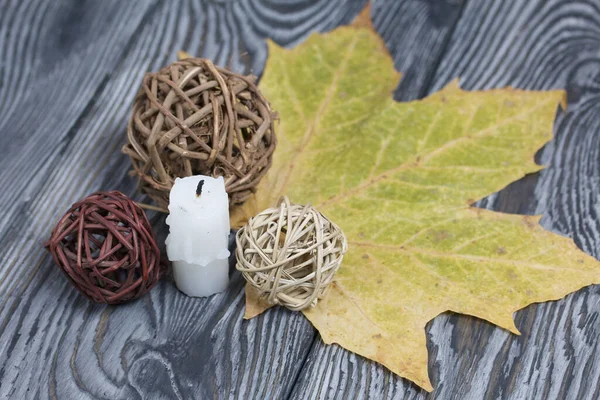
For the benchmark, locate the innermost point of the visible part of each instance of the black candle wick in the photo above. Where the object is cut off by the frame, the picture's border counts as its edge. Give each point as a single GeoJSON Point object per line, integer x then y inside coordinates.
{"type": "Point", "coordinates": [199, 188]}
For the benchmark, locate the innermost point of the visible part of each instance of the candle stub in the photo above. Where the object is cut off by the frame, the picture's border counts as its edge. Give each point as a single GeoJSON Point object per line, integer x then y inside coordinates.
{"type": "Point", "coordinates": [199, 235]}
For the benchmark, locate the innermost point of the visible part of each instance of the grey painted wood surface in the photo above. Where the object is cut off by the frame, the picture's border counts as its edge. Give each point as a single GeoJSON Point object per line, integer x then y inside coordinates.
{"type": "Point", "coordinates": [68, 72]}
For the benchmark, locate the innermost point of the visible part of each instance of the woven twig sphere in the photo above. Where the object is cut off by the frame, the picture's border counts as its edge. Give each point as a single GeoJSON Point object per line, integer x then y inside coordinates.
{"type": "Point", "coordinates": [192, 118]}
{"type": "Point", "coordinates": [290, 253]}
{"type": "Point", "coordinates": [106, 247]}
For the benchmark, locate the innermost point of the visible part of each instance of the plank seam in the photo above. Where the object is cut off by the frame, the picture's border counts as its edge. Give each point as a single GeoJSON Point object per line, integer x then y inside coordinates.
{"type": "Point", "coordinates": [428, 82]}
{"type": "Point", "coordinates": [290, 392]}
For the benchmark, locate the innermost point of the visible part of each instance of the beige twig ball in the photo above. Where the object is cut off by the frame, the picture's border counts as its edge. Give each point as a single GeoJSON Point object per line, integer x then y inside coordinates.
{"type": "Point", "coordinates": [290, 253]}
{"type": "Point", "coordinates": [194, 118]}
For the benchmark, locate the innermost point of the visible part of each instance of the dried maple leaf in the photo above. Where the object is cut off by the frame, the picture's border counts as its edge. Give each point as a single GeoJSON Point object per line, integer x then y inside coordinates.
{"type": "Point", "coordinates": [400, 179]}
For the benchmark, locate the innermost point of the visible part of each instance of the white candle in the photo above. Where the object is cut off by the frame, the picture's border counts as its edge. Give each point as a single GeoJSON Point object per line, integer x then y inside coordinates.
{"type": "Point", "coordinates": [199, 235]}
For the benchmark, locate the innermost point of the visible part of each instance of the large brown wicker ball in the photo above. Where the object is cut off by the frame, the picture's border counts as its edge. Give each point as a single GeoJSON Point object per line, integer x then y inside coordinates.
{"type": "Point", "coordinates": [290, 254]}
{"type": "Point", "coordinates": [193, 118]}
{"type": "Point", "coordinates": [105, 246]}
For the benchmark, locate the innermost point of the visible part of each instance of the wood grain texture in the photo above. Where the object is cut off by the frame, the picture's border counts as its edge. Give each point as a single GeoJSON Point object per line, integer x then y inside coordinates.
{"type": "Point", "coordinates": [416, 34]}
{"type": "Point", "coordinates": [72, 72]}
{"type": "Point", "coordinates": [532, 45]}
{"type": "Point", "coordinates": [68, 74]}
{"type": "Point", "coordinates": [526, 44]}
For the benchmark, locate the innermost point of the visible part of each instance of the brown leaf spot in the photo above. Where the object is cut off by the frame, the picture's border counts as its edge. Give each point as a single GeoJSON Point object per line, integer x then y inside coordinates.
{"type": "Point", "coordinates": [379, 281]}
{"type": "Point", "coordinates": [500, 250]}
{"type": "Point", "coordinates": [361, 234]}
{"type": "Point", "coordinates": [377, 336]}
{"type": "Point", "coordinates": [529, 222]}
{"type": "Point", "coordinates": [512, 275]}
{"type": "Point", "coordinates": [365, 256]}
{"type": "Point", "coordinates": [438, 236]}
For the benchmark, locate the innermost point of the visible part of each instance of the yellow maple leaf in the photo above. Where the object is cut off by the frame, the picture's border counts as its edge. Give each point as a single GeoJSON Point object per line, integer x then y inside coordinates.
{"type": "Point", "coordinates": [400, 178]}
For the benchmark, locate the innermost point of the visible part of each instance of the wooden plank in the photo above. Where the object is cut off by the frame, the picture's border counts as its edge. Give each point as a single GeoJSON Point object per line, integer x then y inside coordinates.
{"type": "Point", "coordinates": [533, 45]}
{"type": "Point", "coordinates": [63, 138]}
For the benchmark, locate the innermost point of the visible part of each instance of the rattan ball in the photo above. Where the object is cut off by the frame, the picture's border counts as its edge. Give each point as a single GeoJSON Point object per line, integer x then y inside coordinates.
{"type": "Point", "coordinates": [290, 254]}
{"type": "Point", "coordinates": [193, 118]}
{"type": "Point", "coordinates": [105, 246]}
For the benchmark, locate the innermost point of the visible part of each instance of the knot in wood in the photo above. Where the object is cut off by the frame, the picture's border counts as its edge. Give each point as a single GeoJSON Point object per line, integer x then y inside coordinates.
{"type": "Point", "coordinates": [105, 246]}
{"type": "Point", "coordinates": [290, 253]}
{"type": "Point", "coordinates": [193, 118]}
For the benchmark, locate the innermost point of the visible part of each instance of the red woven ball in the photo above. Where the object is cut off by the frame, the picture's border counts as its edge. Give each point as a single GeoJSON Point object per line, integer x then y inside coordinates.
{"type": "Point", "coordinates": [106, 247]}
